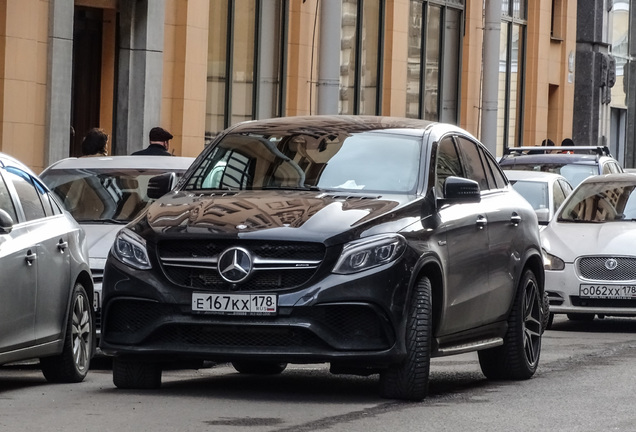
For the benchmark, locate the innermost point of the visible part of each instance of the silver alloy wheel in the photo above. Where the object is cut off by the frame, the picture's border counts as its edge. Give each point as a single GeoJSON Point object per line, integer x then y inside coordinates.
{"type": "Point", "coordinates": [81, 333]}
{"type": "Point", "coordinates": [532, 322]}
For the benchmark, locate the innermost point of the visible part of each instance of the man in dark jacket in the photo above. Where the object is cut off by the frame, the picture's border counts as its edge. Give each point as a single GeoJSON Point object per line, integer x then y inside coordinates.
{"type": "Point", "coordinates": [159, 143]}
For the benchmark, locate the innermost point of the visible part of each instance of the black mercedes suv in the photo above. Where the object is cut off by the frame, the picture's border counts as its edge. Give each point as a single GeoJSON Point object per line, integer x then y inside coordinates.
{"type": "Point", "coordinates": [369, 243]}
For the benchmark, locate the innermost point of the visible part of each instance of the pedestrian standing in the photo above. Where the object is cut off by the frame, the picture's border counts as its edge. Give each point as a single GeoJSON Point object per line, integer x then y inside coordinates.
{"type": "Point", "coordinates": [159, 143]}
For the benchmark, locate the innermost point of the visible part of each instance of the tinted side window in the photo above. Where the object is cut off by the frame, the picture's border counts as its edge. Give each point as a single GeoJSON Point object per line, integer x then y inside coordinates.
{"type": "Point", "coordinates": [27, 193]}
{"type": "Point", "coordinates": [6, 203]}
{"type": "Point", "coordinates": [447, 164]}
{"type": "Point", "coordinates": [473, 163]}
{"type": "Point", "coordinates": [559, 195]}
{"type": "Point", "coordinates": [497, 175]}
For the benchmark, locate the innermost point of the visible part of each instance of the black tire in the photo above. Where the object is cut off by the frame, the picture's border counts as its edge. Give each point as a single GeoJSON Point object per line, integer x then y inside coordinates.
{"type": "Point", "coordinates": [408, 380]}
{"type": "Point", "coordinates": [546, 317]}
{"type": "Point", "coordinates": [259, 368]}
{"type": "Point", "coordinates": [580, 317]}
{"type": "Point", "coordinates": [550, 321]}
{"type": "Point", "coordinates": [518, 357]}
{"type": "Point", "coordinates": [73, 363]}
{"type": "Point", "coordinates": [134, 374]}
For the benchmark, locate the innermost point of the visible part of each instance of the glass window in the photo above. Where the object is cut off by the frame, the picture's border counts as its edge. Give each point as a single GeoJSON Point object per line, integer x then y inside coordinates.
{"type": "Point", "coordinates": [511, 68]}
{"type": "Point", "coordinates": [6, 203]}
{"type": "Point", "coordinates": [414, 61]}
{"type": "Point", "coordinates": [431, 48]}
{"type": "Point", "coordinates": [495, 176]}
{"type": "Point", "coordinates": [242, 58]}
{"type": "Point", "coordinates": [558, 193]}
{"type": "Point", "coordinates": [367, 161]}
{"type": "Point", "coordinates": [447, 164]}
{"type": "Point", "coordinates": [360, 56]}
{"type": "Point", "coordinates": [244, 69]}
{"type": "Point", "coordinates": [27, 194]}
{"type": "Point", "coordinates": [473, 163]}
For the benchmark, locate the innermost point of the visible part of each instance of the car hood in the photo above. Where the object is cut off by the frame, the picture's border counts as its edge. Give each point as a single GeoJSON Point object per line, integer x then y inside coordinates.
{"type": "Point", "coordinates": [571, 240]}
{"type": "Point", "coordinates": [310, 216]}
{"type": "Point", "coordinates": [100, 238]}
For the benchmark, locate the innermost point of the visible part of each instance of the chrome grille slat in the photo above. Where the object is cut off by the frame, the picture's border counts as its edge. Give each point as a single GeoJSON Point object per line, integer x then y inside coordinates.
{"type": "Point", "coordinates": [277, 265]}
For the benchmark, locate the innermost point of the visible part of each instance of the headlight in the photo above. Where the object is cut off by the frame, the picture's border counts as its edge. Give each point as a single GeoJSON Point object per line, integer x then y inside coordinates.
{"type": "Point", "coordinates": [130, 249]}
{"type": "Point", "coordinates": [370, 252]}
{"type": "Point", "coordinates": [551, 262]}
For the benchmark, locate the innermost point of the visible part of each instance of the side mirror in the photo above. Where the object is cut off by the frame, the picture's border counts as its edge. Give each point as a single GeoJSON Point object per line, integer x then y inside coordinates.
{"type": "Point", "coordinates": [543, 215]}
{"type": "Point", "coordinates": [160, 185]}
{"type": "Point", "coordinates": [461, 190]}
{"type": "Point", "coordinates": [6, 222]}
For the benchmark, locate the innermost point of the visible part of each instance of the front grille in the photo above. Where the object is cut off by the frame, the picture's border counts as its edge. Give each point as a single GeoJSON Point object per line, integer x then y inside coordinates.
{"type": "Point", "coordinates": [209, 279]}
{"type": "Point", "coordinates": [130, 316]}
{"type": "Point", "coordinates": [594, 268]}
{"type": "Point", "coordinates": [219, 336]}
{"type": "Point", "coordinates": [341, 327]}
{"type": "Point", "coordinates": [269, 249]}
{"type": "Point", "coordinates": [277, 265]}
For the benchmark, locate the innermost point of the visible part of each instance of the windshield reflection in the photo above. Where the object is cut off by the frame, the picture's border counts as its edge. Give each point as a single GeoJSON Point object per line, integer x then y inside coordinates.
{"type": "Point", "coordinates": [102, 196]}
{"type": "Point", "coordinates": [601, 202]}
{"type": "Point", "coordinates": [377, 161]}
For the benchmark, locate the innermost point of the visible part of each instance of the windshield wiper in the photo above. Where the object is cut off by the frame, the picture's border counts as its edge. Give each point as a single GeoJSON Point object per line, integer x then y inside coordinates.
{"type": "Point", "coordinates": [298, 188]}
{"type": "Point", "coordinates": [104, 221]}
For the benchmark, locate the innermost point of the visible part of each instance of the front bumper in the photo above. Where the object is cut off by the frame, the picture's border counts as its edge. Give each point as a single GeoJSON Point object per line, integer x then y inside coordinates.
{"type": "Point", "coordinates": [354, 318]}
{"type": "Point", "coordinates": [563, 291]}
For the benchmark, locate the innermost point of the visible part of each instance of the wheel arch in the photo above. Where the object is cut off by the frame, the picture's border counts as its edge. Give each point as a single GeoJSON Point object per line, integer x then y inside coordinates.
{"type": "Point", "coordinates": [431, 268]}
{"type": "Point", "coordinates": [534, 262]}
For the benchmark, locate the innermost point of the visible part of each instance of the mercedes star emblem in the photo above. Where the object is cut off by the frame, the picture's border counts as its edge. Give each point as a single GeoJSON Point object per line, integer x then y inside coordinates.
{"type": "Point", "coordinates": [235, 264]}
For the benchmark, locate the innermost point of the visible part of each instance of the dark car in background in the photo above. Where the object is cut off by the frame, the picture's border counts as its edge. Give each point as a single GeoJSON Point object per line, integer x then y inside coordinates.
{"type": "Point", "coordinates": [105, 193]}
{"type": "Point", "coordinates": [369, 243]}
{"type": "Point", "coordinates": [575, 163]}
{"type": "Point", "coordinates": [46, 286]}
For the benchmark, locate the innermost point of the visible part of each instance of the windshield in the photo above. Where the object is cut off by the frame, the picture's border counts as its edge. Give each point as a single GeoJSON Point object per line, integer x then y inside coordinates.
{"type": "Point", "coordinates": [378, 161]}
{"type": "Point", "coordinates": [600, 202]}
{"type": "Point", "coordinates": [536, 193]}
{"type": "Point", "coordinates": [93, 195]}
{"type": "Point", "coordinates": [574, 173]}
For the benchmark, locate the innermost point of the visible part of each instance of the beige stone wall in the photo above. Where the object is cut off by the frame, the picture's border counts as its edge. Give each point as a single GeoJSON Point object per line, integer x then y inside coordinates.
{"type": "Point", "coordinates": [301, 74]}
{"type": "Point", "coordinates": [23, 79]}
{"type": "Point", "coordinates": [184, 74]}
{"type": "Point", "coordinates": [549, 77]}
{"type": "Point", "coordinates": [395, 58]}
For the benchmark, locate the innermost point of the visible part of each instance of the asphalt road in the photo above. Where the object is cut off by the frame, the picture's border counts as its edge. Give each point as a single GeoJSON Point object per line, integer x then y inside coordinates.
{"type": "Point", "coordinates": [586, 382]}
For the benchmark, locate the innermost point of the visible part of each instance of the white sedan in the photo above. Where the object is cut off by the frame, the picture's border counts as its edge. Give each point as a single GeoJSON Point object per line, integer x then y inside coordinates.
{"type": "Point", "coordinates": [589, 254]}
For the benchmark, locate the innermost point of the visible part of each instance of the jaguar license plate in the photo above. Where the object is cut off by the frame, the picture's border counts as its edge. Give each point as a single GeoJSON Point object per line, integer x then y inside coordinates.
{"type": "Point", "coordinates": [235, 304]}
{"type": "Point", "coordinates": [608, 291]}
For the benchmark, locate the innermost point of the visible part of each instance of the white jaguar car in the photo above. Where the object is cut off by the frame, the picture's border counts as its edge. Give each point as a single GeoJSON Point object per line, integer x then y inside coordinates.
{"type": "Point", "coordinates": [589, 254]}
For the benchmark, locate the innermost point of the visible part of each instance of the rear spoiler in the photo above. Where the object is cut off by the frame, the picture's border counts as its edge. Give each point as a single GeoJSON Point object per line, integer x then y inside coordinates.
{"type": "Point", "coordinates": [593, 150]}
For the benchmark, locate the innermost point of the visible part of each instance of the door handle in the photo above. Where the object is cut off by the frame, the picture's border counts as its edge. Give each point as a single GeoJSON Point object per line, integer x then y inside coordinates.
{"type": "Point", "coordinates": [481, 222]}
{"type": "Point", "coordinates": [62, 245]}
{"type": "Point", "coordinates": [30, 257]}
{"type": "Point", "coordinates": [515, 219]}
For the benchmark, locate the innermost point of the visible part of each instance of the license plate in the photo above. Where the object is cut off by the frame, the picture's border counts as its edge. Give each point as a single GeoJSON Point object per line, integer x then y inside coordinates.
{"type": "Point", "coordinates": [235, 304]}
{"type": "Point", "coordinates": [608, 291]}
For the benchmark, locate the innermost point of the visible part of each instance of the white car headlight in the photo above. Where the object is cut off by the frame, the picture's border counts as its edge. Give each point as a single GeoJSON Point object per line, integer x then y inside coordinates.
{"type": "Point", "coordinates": [130, 249]}
{"type": "Point", "coordinates": [551, 262]}
{"type": "Point", "coordinates": [370, 252]}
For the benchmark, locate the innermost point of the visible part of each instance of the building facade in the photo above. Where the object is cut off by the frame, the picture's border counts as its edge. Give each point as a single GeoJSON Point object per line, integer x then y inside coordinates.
{"type": "Point", "coordinates": [196, 67]}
